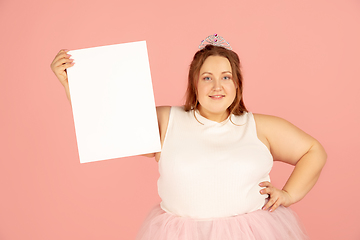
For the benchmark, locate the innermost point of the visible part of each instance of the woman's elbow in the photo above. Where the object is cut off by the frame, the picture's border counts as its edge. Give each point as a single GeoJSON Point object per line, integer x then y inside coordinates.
{"type": "Point", "coordinates": [320, 152]}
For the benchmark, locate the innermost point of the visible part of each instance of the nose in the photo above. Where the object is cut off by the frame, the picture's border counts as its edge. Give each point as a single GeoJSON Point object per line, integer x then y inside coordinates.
{"type": "Point", "coordinates": [217, 85]}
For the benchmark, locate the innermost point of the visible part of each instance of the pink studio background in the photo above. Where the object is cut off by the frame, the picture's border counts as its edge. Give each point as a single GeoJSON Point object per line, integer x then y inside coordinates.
{"type": "Point", "coordinates": [300, 61]}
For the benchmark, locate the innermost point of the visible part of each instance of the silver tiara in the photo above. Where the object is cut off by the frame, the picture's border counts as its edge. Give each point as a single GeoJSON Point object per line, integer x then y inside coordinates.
{"type": "Point", "coordinates": [215, 40]}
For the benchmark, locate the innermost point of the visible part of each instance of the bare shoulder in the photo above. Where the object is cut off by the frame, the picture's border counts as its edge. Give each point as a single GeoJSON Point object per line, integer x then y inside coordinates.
{"type": "Point", "coordinates": [268, 119]}
{"type": "Point", "coordinates": [163, 113]}
{"type": "Point", "coordinates": [263, 123]}
{"type": "Point", "coordinates": [163, 110]}
{"type": "Point", "coordinates": [269, 123]}
{"type": "Point", "coordinates": [286, 141]}
{"type": "Point", "coordinates": [272, 126]}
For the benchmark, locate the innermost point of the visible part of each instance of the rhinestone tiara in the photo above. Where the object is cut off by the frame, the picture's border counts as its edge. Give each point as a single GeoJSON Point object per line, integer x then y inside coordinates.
{"type": "Point", "coordinates": [215, 40]}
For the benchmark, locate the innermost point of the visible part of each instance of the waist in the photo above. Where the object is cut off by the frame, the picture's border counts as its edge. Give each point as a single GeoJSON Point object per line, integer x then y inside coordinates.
{"type": "Point", "coordinates": [205, 208]}
{"type": "Point", "coordinates": [210, 215]}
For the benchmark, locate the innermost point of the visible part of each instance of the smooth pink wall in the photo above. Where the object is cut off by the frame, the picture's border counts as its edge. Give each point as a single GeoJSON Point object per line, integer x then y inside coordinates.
{"type": "Point", "coordinates": [300, 59]}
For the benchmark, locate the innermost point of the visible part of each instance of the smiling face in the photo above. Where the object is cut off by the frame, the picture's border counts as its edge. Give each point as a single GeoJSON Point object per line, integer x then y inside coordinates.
{"type": "Point", "coordinates": [216, 89]}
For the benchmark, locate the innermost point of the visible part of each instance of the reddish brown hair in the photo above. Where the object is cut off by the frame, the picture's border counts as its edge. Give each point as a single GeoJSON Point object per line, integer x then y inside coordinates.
{"type": "Point", "coordinates": [191, 102]}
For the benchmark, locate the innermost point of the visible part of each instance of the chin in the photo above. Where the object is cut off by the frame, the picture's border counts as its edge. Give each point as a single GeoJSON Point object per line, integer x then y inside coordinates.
{"type": "Point", "coordinates": [214, 108]}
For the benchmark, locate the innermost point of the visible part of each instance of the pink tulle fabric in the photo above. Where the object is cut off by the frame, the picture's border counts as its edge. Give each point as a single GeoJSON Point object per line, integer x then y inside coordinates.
{"type": "Point", "coordinates": [282, 224]}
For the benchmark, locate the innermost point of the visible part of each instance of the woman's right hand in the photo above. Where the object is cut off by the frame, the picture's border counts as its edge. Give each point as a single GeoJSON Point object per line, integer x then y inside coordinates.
{"type": "Point", "coordinates": [61, 62]}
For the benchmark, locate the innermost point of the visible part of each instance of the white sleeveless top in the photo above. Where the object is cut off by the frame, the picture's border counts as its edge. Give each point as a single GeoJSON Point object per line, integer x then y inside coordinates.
{"type": "Point", "coordinates": [212, 169]}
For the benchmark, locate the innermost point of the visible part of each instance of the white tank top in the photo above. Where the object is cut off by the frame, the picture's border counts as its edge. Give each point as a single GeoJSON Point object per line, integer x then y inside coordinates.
{"type": "Point", "coordinates": [212, 169]}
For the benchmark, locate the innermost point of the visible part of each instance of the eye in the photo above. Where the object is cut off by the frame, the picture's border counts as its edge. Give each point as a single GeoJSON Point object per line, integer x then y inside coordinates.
{"type": "Point", "coordinates": [226, 77]}
{"type": "Point", "coordinates": [206, 78]}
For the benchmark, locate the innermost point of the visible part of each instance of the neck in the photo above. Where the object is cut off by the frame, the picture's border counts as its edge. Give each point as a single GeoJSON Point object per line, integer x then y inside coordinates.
{"type": "Point", "coordinates": [216, 117]}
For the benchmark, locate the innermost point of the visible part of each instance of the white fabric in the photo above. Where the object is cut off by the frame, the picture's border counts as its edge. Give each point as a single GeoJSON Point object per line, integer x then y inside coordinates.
{"type": "Point", "coordinates": [212, 169]}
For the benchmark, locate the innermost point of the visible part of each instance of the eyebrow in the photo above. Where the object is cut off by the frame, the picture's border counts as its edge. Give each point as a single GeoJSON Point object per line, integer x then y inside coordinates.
{"type": "Point", "coordinates": [211, 73]}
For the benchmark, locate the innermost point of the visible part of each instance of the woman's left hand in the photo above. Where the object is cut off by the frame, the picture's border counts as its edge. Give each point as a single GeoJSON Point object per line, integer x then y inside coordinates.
{"type": "Point", "coordinates": [277, 197]}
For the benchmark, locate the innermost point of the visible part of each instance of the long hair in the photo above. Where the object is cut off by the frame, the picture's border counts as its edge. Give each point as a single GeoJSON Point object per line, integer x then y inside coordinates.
{"type": "Point", "coordinates": [191, 102]}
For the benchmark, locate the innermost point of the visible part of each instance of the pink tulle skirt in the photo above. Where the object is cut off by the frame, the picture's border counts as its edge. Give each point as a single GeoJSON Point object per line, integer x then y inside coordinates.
{"type": "Point", "coordinates": [282, 224]}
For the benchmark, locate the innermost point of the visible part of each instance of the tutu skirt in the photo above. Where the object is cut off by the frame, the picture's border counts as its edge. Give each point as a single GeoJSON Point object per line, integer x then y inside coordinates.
{"type": "Point", "coordinates": [282, 224]}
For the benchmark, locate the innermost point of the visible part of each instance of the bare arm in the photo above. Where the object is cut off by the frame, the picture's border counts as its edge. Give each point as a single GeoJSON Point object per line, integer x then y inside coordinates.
{"type": "Point", "coordinates": [289, 144]}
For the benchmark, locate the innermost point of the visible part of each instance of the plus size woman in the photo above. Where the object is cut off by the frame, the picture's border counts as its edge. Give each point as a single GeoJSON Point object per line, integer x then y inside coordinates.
{"type": "Point", "coordinates": [216, 158]}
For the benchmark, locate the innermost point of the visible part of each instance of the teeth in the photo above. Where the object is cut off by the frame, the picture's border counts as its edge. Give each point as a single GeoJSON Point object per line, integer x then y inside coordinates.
{"type": "Point", "coordinates": [217, 96]}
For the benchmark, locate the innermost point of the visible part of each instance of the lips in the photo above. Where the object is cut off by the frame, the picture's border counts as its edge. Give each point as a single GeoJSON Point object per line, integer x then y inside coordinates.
{"type": "Point", "coordinates": [217, 96]}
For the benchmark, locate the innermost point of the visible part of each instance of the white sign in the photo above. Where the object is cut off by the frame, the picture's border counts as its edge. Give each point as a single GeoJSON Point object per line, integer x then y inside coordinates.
{"type": "Point", "coordinates": [113, 102]}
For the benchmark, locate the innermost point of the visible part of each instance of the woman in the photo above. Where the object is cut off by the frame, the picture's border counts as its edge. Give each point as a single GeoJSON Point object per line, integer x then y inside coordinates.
{"type": "Point", "coordinates": [216, 158]}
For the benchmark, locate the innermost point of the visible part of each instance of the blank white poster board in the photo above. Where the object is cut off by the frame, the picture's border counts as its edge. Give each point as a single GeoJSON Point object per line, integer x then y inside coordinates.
{"type": "Point", "coordinates": [113, 102]}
